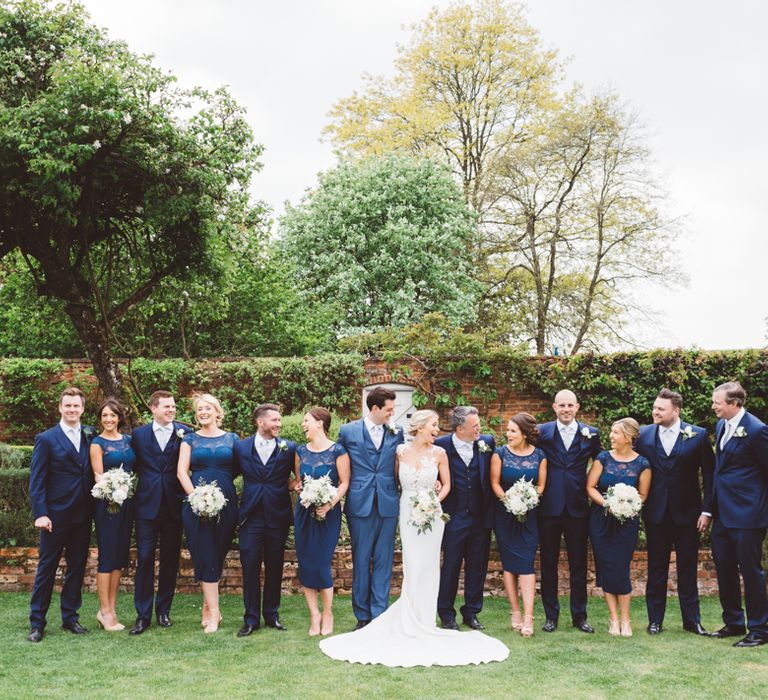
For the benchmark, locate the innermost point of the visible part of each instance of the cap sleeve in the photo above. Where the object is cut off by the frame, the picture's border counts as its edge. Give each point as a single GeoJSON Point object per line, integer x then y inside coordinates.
{"type": "Point", "coordinates": [338, 450]}
{"type": "Point", "coordinates": [602, 457]}
{"type": "Point", "coordinates": [188, 438]}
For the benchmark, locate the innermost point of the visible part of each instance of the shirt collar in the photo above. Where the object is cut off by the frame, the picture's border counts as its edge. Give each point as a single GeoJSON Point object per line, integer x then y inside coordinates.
{"type": "Point", "coordinates": [156, 426]}
{"type": "Point", "coordinates": [370, 425]}
{"type": "Point", "coordinates": [674, 428]}
{"type": "Point", "coordinates": [66, 428]}
{"type": "Point", "coordinates": [458, 442]}
{"type": "Point", "coordinates": [572, 427]}
{"type": "Point", "coordinates": [737, 418]}
{"type": "Point", "coordinates": [260, 441]}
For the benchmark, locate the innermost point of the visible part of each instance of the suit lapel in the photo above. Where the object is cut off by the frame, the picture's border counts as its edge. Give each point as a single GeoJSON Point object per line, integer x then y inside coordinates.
{"type": "Point", "coordinates": [66, 443]}
{"type": "Point", "coordinates": [370, 448]}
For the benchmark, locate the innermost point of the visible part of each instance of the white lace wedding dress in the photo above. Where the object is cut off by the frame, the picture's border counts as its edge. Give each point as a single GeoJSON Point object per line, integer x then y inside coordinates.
{"type": "Point", "coordinates": [406, 633]}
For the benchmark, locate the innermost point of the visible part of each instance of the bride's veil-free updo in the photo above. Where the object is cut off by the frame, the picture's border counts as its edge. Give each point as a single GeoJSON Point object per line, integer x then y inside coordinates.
{"type": "Point", "coordinates": [418, 420]}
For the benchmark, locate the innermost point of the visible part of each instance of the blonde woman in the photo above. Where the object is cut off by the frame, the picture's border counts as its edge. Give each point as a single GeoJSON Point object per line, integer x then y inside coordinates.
{"type": "Point", "coordinates": [204, 457]}
{"type": "Point", "coordinates": [613, 541]}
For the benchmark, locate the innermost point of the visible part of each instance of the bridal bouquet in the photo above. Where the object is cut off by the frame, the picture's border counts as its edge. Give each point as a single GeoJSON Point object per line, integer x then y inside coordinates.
{"type": "Point", "coordinates": [622, 501]}
{"type": "Point", "coordinates": [520, 498]}
{"type": "Point", "coordinates": [207, 500]}
{"type": "Point", "coordinates": [425, 507]}
{"type": "Point", "coordinates": [114, 486]}
{"type": "Point", "coordinates": [316, 493]}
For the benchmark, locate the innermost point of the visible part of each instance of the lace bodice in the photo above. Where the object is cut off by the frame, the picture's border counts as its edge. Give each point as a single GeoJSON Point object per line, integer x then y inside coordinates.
{"type": "Point", "coordinates": [615, 472]}
{"type": "Point", "coordinates": [116, 453]}
{"type": "Point", "coordinates": [317, 464]}
{"type": "Point", "coordinates": [420, 476]}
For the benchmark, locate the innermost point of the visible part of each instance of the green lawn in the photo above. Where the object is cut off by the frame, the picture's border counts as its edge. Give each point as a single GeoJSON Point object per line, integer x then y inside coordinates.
{"type": "Point", "coordinates": [185, 663]}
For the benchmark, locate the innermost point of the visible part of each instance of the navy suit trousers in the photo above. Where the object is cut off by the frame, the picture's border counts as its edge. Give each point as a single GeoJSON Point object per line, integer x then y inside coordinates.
{"type": "Point", "coordinates": [261, 543]}
{"type": "Point", "coordinates": [167, 530]}
{"type": "Point", "coordinates": [72, 540]}
{"type": "Point", "coordinates": [661, 538]}
{"type": "Point", "coordinates": [467, 540]}
{"type": "Point", "coordinates": [551, 531]}
{"type": "Point", "coordinates": [737, 551]}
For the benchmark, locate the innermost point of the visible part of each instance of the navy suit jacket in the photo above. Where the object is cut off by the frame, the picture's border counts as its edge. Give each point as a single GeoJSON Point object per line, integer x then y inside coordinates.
{"type": "Point", "coordinates": [740, 492]}
{"type": "Point", "coordinates": [60, 478]}
{"type": "Point", "coordinates": [455, 462]}
{"type": "Point", "coordinates": [156, 468]}
{"type": "Point", "coordinates": [566, 488]}
{"type": "Point", "coordinates": [675, 484]}
{"type": "Point", "coordinates": [265, 484]}
{"type": "Point", "coordinates": [372, 472]}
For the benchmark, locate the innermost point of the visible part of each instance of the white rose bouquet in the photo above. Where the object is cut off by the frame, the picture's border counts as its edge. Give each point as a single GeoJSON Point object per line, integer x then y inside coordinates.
{"type": "Point", "coordinates": [316, 493]}
{"type": "Point", "coordinates": [114, 486]}
{"type": "Point", "coordinates": [207, 500]}
{"type": "Point", "coordinates": [622, 501]}
{"type": "Point", "coordinates": [425, 508]}
{"type": "Point", "coordinates": [520, 498]}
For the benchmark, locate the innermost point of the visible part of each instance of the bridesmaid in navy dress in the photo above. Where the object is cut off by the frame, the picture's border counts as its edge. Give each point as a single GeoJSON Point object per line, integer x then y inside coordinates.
{"type": "Point", "coordinates": [517, 541]}
{"type": "Point", "coordinates": [316, 539]}
{"type": "Point", "coordinates": [207, 455]}
{"type": "Point", "coordinates": [614, 542]}
{"type": "Point", "coordinates": [111, 450]}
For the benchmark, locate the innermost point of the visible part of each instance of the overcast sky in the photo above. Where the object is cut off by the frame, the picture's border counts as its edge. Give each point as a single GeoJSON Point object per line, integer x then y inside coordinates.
{"type": "Point", "coordinates": [695, 69]}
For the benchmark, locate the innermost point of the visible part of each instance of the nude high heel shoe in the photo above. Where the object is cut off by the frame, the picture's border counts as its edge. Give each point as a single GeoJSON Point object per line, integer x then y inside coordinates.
{"type": "Point", "coordinates": [516, 621]}
{"type": "Point", "coordinates": [213, 622]}
{"type": "Point", "coordinates": [613, 628]}
{"type": "Point", "coordinates": [625, 628]}
{"type": "Point", "coordinates": [109, 628]}
{"type": "Point", "coordinates": [527, 628]}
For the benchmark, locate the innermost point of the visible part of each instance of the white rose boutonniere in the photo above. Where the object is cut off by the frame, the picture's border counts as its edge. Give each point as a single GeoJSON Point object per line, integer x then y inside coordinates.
{"type": "Point", "coordinates": [482, 445]}
{"type": "Point", "coordinates": [282, 445]}
{"type": "Point", "coordinates": [393, 428]}
{"type": "Point", "coordinates": [740, 432]}
{"type": "Point", "coordinates": [688, 433]}
{"type": "Point", "coordinates": [586, 433]}
{"type": "Point", "coordinates": [180, 433]}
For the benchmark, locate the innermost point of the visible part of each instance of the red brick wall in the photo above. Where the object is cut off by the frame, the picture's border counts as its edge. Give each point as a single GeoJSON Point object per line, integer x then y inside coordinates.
{"type": "Point", "coordinates": [17, 573]}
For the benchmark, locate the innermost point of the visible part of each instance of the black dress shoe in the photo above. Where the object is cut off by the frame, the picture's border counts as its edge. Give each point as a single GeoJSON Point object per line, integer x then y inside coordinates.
{"type": "Point", "coordinates": [74, 627]}
{"type": "Point", "coordinates": [751, 640]}
{"type": "Point", "coordinates": [247, 630]}
{"type": "Point", "coordinates": [654, 628]}
{"type": "Point", "coordinates": [696, 628]}
{"type": "Point", "coordinates": [583, 626]}
{"type": "Point", "coordinates": [276, 624]}
{"type": "Point", "coordinates": [164, 620]}
{"type": "Point", "coordinates": [449, 625]}
{"type": "Point", "coordinates": [360, 624]}
{"type": "Point", "coordinates": [35, 635]}
{"type": "Point", "coordinates": [549, 626]}
{"type": "Point", "coordinates": [141, 625]}
{"type": "Point", "coordinates": [474, 623]}
{"type": "Point", "coordinates": [729, 631]}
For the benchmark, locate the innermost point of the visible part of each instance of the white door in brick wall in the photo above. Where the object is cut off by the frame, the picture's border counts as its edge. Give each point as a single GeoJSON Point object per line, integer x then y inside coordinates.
{"type": "Point", "coordinates": [404, 407]}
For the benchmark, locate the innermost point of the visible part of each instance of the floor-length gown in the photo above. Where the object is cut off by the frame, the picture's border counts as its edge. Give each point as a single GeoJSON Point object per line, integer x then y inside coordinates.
{"type": "Point", "coordinates": [406, 634]}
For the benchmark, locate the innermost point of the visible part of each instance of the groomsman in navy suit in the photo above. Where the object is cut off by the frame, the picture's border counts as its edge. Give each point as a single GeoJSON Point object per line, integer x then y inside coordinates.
{"type": "Point", "coordinates": [467, 535]}
{"type": "Point", "coordinates": [157, 502]}
{"type": "Point", "coordinates": [570, 446]}
{"type": "Point", "coordinates": [740, 511]}
{"type": "Point", "coordinates": [372, 503]}
{"type": "Point", "coordinates": [266, 463]}
{"type": "Point", "coordinates": [60, 483]}
{"type": "Point", "coordinates": [674, 513]}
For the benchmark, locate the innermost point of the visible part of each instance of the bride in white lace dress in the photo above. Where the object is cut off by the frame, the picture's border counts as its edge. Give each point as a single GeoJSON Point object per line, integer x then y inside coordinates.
{"type": "Point", "coordinates": [406, 633]}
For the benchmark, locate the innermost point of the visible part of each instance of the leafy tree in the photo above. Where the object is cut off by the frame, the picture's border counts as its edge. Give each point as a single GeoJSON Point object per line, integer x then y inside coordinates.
{"type": "Point", "coordinates": [113, 179]}
{"type": "Point", "coordinates": [382, 242]}
{"type": "Point", "coordinates": [466, 86]}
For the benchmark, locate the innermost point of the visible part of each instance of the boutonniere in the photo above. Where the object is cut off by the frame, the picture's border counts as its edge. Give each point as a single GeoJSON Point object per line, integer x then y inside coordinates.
{"type": "Point", "coordinates": [740, 432]}
{"type": "Point", "coordinates": [586, 433]}
{"type": "Point", "coordinates": [688, 432]}
{"type": "Point", "coordinates": [482, 445]}
{"type": "Point", "coordinates": [89, 432]}
{"type": "Point", "coordinates": [282, 445]}
{"type": "Point", "coordinates": [393, 428]}
{"type": "Point", "coordinates": [180, 433]}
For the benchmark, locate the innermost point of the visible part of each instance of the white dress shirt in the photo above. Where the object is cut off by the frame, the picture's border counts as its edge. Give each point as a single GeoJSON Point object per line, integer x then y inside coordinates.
{"type": "Point", "coordinates": [73, 433]}
{"type": "Point", "coordinates": [375, 431]}
{"type": "Point", "coordinates": [162, 433]}
{"type": "Point", "coordinates": [730, 426]}
{"type": "Point", "coordinates": [668, 436]}
{"type": "Point", "coordinates": [567, 432]}
{"type": "Point", "coordinates": [466, 450]}
{"type": "Point", "coordinates": [264, 447]}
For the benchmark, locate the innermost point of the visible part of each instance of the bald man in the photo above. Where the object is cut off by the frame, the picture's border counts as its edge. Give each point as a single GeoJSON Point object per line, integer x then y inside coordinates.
{"type": "Point", "coordinates": [570, 446]}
